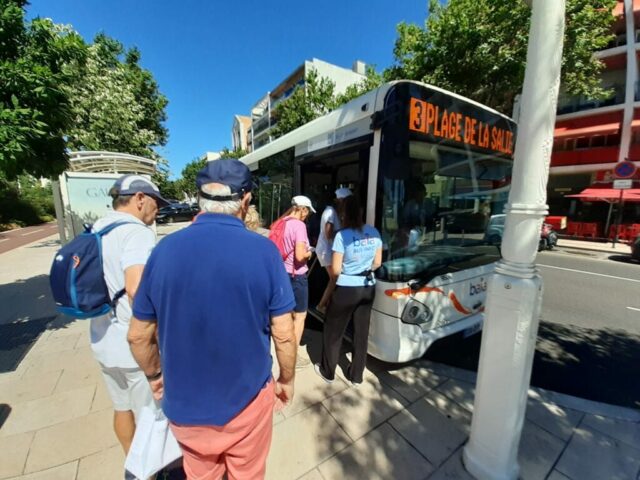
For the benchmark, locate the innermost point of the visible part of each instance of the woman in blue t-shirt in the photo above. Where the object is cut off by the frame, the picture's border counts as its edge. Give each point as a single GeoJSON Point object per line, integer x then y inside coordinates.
{"type": "Point", "coordinates": [357, 252]}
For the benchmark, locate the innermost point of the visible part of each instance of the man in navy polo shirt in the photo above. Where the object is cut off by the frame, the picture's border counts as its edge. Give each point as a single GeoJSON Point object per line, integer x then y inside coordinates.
{"type": "Point", "coordinates": [215, 293]}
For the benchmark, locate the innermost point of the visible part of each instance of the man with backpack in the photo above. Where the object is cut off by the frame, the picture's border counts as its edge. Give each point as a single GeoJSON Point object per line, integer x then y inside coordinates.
{"type": "Point", "coordinates": [125, 250]}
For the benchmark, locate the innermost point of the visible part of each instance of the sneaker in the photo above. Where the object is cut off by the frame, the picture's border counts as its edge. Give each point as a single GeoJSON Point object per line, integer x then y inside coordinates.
{"type": "Point", "coordinates": [316, 368]}
{"type": "Point", "coordinates": [302, 362]}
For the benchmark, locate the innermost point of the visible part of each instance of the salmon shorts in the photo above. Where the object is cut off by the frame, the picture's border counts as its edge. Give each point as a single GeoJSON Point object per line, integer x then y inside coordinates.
{"type": "Point", "coordinates": [239, 448]}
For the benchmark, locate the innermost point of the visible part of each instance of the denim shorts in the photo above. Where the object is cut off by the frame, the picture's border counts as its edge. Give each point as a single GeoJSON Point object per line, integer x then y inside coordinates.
{"type": "Point", "coordinates": [300, 287]}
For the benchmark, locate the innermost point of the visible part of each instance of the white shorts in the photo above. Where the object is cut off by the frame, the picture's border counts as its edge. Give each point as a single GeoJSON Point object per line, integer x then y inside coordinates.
{"type": "Point", "coordinates": [128, 388]}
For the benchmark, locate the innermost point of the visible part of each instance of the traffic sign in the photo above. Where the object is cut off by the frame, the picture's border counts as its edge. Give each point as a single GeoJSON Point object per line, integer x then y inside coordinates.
{"type": "Point", "coordinates": [622, 184]}
{"type": "Point", "coordinates": [624, 169]}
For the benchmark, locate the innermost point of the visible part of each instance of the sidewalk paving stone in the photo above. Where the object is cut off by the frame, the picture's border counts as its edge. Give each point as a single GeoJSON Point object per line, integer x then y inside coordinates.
{"type": "Point", "coordinates": [435, 435]}
{"type": "Point", "coordinates": [312, 475]}
{"type": "Point", "coordinates": [412, 382]}
{"type": "Point", "coordinates": [46, 345]}
{"type": "Point", "coordinates": [13, 453]}
{"type": "Point", "coordinates": [20, 390]}
{"type": "Point", "coordinates": [556, 475]}
{"type": "Point", "coordinates": [80, 375]}
{"type": "Point", "coordinates": [101, 399]}
{"type": "Point", "coordinates": [627, 432]}
{"type": "Point", "coordinates": [63, 472]}
{"type": "Point", "coordinates": [102, 465]}
{"type": "Point", "coordinates": [302, 442]}
{"type": "Point", "coordinates": [451, 409]}
{"type": "Point", "coordinates": [380, 454]}
{"type": "Point", "coordinates": [51, 362]}
{"type": "Point", "coordinates": [71, 440]}
{"type": "Point", "coordinates": [460, 392]}
{"type": "Point", "coordinates": [359, 410]}
{"type": "Point", "coordinates": [47, 411]}
{"type": "Point", "coordinates": [453, 469]}
{"type": "Point", "coordinates": [557, 420]}
{"type": "Point", "coordinates": [538, 452]}
{"type": "Point", "coordinates": [592, 455]}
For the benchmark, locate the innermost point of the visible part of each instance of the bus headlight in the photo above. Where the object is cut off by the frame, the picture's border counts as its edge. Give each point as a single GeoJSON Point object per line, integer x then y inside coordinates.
{"type": "Point", "coordinates": [416, 313]}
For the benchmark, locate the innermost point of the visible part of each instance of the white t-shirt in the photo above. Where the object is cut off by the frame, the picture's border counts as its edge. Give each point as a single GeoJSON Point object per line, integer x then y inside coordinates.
{"type": "Point", "coordinates": [323, 248]}
{"type": "Point", "coordinates": [123, 247]}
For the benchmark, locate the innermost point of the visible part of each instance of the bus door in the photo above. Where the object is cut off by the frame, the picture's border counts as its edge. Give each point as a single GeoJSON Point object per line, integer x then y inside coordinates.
{"type": "Point", "coordinates": [318, 177]}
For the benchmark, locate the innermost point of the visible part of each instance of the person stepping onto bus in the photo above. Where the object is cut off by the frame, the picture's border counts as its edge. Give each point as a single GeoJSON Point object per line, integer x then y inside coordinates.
{"type": "Point", "coordinates": [357, 253]}
{"type": "Point", "coordinates": [297, 251]}
{"type": "Point", "coordinates": [329, 225]}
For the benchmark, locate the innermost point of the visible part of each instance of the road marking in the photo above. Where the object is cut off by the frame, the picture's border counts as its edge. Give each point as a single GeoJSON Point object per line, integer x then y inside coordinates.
{"type": "Point", "coordinates": [633, 308]}
{"type": "Point", "coordinates": [31, 233]}
{"type": "Point", "coordinates": [590, 273]}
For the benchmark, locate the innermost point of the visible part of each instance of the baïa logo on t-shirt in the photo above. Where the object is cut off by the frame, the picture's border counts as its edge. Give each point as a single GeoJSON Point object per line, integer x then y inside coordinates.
{"type": "Point", "coordinates": [363, 242]}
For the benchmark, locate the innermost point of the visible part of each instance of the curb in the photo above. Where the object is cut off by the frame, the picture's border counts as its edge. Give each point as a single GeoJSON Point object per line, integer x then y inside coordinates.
{"type": "Point", "coordinates": [561, 399]}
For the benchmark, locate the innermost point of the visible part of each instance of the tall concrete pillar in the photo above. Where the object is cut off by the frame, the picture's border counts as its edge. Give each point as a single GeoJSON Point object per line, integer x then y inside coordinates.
{"type": "Point", "coordinates": [515, 291]}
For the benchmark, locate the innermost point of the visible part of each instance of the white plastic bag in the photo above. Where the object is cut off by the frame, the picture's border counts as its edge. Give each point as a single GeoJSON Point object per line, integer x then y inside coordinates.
{"type": "Point", "coordinates": [153, 447]}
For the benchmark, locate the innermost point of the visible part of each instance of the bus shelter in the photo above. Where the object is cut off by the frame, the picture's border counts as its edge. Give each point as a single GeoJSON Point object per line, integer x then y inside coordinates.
{"type": "Point", "coordinates": [81, 193]}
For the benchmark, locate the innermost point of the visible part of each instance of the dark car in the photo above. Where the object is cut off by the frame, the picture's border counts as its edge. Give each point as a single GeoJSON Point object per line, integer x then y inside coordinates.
{"type": "Point", "coordinates": [635, 249]}
{"type": "Point", "coordinates": [177, 212]}
{"type": "Point", "coordinates": [495, 229]}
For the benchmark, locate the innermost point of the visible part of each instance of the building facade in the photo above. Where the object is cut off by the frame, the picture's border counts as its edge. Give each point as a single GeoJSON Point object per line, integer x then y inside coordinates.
{"type": "Point", "coordinates": [261, 119]}
{"type": "Point", "coordinates": [592, 136]}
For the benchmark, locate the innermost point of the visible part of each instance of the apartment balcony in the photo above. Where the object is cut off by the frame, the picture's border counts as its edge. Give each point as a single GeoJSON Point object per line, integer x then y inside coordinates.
{"type": "Point", "coordinates": [585, 157]}
{"type": "Point", "coordinates": [570, 104]}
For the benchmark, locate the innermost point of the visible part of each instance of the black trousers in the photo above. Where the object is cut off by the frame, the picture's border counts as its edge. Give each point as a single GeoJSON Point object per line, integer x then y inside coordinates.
{"type": "Point", "coordinates": [347, 303]}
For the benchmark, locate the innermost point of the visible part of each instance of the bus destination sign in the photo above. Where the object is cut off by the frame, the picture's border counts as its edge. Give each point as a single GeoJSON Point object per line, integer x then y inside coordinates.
{"type": "Point", "coordinates": [461, 128]}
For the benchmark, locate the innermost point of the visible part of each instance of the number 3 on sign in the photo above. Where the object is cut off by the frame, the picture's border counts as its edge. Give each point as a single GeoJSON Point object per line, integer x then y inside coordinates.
{"type": "Point", "coordinates": [417, 116]}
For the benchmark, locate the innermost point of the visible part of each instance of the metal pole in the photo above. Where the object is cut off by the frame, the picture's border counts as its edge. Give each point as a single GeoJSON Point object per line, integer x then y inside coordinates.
{"type": "Point", "coordinates": [618, 218]}
{"type": "Point", "coordinates": [608, 223]}
{"type": "Point", "coordinates": [515, 290]}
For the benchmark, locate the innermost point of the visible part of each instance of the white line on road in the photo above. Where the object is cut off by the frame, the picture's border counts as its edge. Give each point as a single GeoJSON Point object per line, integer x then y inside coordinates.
{"type": "Point", "coordinates": [633, 308]}
{"type": "Point", "coordinates": [590, 273]}
{"type": "Point", "coordinates": [31, 233]}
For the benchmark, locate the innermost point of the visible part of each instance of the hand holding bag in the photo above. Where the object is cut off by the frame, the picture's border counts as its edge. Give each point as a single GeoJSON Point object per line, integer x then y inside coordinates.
{"type": "Point", "coordinates": [153, 446]}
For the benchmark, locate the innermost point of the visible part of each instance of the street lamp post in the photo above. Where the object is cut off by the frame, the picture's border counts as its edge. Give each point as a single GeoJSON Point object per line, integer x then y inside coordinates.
{"type": "Point", "coordinates": [515, 290]}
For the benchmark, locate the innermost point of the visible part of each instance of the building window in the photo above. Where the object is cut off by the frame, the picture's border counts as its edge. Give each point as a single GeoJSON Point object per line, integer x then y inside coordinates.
{"type": "Point", "coordinates": [598, 141]}
{"type": "Point", "coordinates": [582, 143]}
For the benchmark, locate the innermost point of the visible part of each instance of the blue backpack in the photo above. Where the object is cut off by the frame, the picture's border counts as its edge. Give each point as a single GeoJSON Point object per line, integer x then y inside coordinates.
{"type": "Point", "coordinates": [77, 278]}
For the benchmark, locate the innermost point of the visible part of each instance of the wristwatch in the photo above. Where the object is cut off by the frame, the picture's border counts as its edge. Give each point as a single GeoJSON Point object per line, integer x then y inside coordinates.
{"type": "Point", "coordinates": [155, 376]}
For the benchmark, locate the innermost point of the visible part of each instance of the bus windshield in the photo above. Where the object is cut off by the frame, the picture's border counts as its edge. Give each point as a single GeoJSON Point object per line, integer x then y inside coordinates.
{"type": "Point", "coordinates": [436, 205]}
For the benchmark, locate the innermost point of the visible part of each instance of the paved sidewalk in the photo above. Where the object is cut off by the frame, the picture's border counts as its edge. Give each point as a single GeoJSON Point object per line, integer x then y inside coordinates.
{"type": "Point", "coordinates": [619, 248]}
{"type": "Point", "coordinates": [405, 422]}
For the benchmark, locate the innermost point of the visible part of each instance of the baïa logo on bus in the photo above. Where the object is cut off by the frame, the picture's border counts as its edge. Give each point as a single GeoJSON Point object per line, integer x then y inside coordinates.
{"type": "Point", "coordinates": [477, 288]}
{"type": "Point", "coordinates": [430, 119]}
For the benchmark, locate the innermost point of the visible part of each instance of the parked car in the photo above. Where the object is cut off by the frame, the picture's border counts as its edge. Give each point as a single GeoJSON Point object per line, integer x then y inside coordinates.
{"type": "Point", "coordinates": [495, 230]}
{"type": "Point", "coordinates": [635, 249]}
{"type": "Point", "coordinates": [177, 212]}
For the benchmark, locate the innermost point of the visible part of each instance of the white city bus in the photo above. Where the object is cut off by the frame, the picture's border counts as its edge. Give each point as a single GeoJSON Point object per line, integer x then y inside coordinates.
{"type": "Point", "coordinates": [430, 167]}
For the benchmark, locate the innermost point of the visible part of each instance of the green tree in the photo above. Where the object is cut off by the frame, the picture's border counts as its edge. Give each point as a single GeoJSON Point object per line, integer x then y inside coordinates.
{"type": "Point", "coordinates": [309, 101]}
{"type": "Point", "coordinates": [372, 80]}
{"type": "Point", "coordinates": [477, 48]}
{"type": "Point", "coordinates": [116, 104]}
{"type": "Point", "coordinates": [34, 108]}
{"type": "Point", "coordinates": [237, 153]}
{"type": "Point", "coordinates": [187, 181]}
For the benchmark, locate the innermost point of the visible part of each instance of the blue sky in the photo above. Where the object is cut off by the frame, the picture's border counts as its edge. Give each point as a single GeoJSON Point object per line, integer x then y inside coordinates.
{"type": "Point", "coordinates": [213, 58]}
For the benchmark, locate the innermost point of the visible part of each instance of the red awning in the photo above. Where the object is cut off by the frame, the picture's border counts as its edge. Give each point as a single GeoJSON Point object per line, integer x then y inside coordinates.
{"type": "Point", "coordinates": [608, 194]}
{"type": "Point", "coordinates": [603, 129]}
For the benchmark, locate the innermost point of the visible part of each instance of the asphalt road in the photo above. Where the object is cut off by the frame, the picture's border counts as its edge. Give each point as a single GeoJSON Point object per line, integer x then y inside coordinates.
{"type": "Point", "coordinates": [589, 337]}
{"type": "Point", "coordinates": [16, 238]}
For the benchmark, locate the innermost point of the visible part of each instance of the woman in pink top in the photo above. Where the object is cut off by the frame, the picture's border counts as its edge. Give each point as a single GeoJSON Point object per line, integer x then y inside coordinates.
{"type": "Point", "coordinates": [298, 251]}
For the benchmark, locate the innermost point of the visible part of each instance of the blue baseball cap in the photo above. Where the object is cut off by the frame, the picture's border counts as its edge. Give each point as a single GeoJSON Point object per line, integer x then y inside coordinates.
{"type": "Point", "coordinates": [132, 184]}
{"type": "Point", "coordinates": [225, 171]}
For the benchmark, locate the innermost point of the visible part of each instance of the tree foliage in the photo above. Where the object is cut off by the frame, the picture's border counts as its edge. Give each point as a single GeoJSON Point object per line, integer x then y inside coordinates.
{"type": "Point", "coordinates": [116, 104]}
{"type": "Point", "coordinates": [57, 92]}
{"type": "Point", "coordinates": [478, 48]}
{"type": "Point", "coordinates": [309, 101]}
{"type": "Point", "coordinates": [34, 109]}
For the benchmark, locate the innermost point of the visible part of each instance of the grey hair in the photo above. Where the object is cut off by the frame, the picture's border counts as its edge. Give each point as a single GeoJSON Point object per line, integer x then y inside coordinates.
{"type": "Point", "coordinates": [229, 207]}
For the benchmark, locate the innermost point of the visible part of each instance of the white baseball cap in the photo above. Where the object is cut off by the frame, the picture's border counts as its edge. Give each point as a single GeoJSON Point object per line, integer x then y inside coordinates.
{"type": "Point", "coordinates": [302, 201]}
{"type": "Point", "coordinates": [343, 192]}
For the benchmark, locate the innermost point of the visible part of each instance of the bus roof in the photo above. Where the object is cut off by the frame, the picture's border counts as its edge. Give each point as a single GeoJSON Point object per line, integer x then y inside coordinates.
{"type": "Point", "coordinates": [357, 109]}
